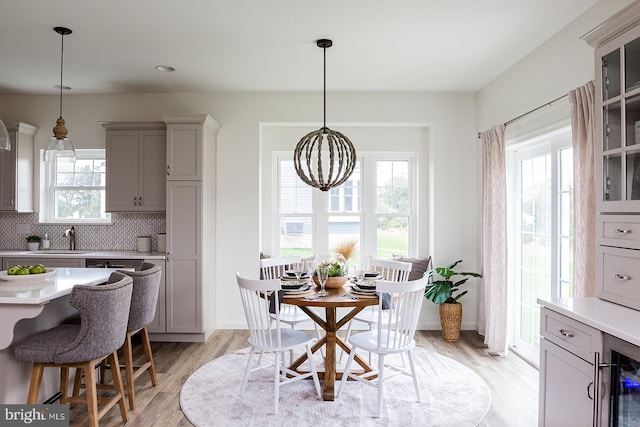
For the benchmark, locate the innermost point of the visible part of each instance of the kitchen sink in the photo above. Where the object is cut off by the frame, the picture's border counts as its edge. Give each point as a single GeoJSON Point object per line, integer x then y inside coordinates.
{"type": "Point", "coordinates": [55, 252]}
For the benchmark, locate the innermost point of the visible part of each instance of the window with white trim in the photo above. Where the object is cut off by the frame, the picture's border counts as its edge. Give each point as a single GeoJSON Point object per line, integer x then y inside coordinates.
{"type": "Point", "coordinates": [75, 189]}
{"type": "Point", "coordinates": [376, 207]}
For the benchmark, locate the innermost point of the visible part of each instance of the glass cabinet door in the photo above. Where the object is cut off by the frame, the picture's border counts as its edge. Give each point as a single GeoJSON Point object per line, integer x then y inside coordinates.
{"type": "Point", "coordinates": [611, 75]}
{"type": "Point", "coordinates": [620, 145]}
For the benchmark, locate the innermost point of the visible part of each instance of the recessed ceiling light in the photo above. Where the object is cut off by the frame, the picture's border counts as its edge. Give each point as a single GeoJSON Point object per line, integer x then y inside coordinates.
{"type": "Point", "coordinates": [165, 68]}
{"type": "Point", "coordinates": [63, 87]}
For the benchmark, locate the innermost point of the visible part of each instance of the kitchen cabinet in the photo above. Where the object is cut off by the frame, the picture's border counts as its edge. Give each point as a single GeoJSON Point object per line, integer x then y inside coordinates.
{"type": "Point", "coordinates": [617, 151]}
{"type": "Point", "coordinates": [159, 323]}
{"type": "Point", "coordinates": [47, 262]}
{"type": "Point", "coordinates": [190, 223]}
{"type": "Point", "coordinates": [136, 158]}
{"type": "Point", "coordinates": [16, 169]}
{"type": "Point", "coordinates": [567, 378]}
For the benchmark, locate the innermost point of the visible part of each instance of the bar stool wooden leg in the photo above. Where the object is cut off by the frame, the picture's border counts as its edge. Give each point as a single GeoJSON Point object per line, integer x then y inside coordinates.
{"type": "Point", "coordinates": [128, 369]}
{"type": "Point", "coordinates": [117, 383]}
{"type": "Point", "coordinates": [147, 351]}
{"type": "Point", "coordinates": [91, 393]}
{"type": "Point", "coordinates": [34, 386]}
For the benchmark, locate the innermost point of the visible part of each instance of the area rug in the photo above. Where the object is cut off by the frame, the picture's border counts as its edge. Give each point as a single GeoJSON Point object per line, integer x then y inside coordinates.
{"type": "Point", "coordinates": [451, 395]}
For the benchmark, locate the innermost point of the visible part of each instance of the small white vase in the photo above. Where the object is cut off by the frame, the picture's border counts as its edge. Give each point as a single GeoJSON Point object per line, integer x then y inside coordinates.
{"type": "Point", "coordinates": [33, 246]}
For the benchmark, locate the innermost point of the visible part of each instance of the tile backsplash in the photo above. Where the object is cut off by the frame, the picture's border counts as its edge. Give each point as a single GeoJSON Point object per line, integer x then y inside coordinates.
{"type": "Point", "coordinates": [119, 235]}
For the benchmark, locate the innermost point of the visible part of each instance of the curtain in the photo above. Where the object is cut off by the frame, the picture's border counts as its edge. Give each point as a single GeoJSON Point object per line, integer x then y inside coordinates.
{"type": "Point", "coordinates": [492, 313]}
{"type": "Point", "coordinates": [582, 102]}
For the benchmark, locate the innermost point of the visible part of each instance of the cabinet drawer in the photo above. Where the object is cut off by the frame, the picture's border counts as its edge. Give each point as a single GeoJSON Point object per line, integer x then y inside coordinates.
{"type": "Point", "coordinates": [619, 276]}
{"type": "Point", "coordinates": [620, 231]}
{"type": "Point", "coordinates": [576, 337]}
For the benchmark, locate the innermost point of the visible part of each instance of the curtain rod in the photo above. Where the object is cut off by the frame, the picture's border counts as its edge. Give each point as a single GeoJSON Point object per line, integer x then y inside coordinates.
{"type": "Point", "coordinates": [547, 104]}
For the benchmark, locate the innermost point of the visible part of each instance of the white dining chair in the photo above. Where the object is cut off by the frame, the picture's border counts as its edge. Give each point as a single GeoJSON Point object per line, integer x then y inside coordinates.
{"type": "Point", "coordinates": [390, 270]}
{"type": "Point", "coordinates": [274, 268]}
{"type": "Point", "coordinates": [266, 335]}
{"type": "Point", "coordinates": [396, 336]}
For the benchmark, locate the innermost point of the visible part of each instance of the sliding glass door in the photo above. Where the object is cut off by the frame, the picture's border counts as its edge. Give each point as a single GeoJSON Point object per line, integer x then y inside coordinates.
{"type": "Point", "coordinates": [541, 232]}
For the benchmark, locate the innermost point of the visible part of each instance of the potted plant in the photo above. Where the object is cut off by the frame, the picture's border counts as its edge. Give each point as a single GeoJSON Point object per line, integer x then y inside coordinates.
{"type": "Point", "coordinates": [33, 242]}
{"type": "Point", "coordinates": [337, 271]}
{"type": "Point", "coordinates": [445, 292]}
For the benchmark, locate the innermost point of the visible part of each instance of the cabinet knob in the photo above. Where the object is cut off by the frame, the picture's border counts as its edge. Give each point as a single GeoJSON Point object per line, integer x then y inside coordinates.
{"type": "Point", "coordinates": [623, 231]}
{"type": "Point", "coordinates": [622, 277]}
{"type": "Point", "coordinates": [565, 333]}
{"type": "Point", "coordinates": [168, 169]}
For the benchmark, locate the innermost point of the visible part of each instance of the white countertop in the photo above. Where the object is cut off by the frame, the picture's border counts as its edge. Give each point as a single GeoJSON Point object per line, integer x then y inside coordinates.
{"type": "Point", "coordinates": [610, 318]}
{"type": "Point", "coordinates": [56, 286]}
{"type": "Point", "coordinates": [82, 253]}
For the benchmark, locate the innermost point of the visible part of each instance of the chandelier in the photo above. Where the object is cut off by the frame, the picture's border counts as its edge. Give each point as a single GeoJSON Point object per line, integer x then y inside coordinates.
{"type": "Point", "coordinates": [59, 144]}
{"type": "Point", "coordinates": [324, 158]}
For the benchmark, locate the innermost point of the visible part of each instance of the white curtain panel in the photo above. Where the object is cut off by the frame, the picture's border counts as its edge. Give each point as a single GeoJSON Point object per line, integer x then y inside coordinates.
{"type": "Point", "coordinates": [584, 232]}
{"type": "Point", "coordinates": [492, 318]}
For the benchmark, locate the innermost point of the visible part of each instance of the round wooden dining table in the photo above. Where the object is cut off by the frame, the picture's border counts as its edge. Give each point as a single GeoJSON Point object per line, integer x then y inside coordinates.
{"type": "Point", "coordinates": [337, 298]}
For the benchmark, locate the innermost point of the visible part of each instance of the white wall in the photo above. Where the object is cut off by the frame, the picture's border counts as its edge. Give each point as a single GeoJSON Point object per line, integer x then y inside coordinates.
{"type": "Point", "coordinates": [559, 65]}
{"type": "Point", "coordinates": [452, 156]}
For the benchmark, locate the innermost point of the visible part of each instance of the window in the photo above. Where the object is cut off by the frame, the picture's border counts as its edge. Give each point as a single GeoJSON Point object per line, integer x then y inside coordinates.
{"type": "Point", "coordinates": [541, 204]}
{"type": "Point", "coordinates": [375, 207]}
{"type": "Point", "coordinates": [75, 190]}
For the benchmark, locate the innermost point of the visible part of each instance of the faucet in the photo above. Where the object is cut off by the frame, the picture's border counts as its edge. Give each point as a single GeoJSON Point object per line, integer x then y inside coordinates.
{"type": "Point", "coordinates": [71, 234]}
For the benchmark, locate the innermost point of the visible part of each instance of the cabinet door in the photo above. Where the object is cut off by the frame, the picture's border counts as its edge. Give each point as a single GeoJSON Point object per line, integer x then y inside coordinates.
{"type": "Point", "coordinates": [184, 152]}
{"type": "Point", "coordinates": [159, 322]}
{"type": "Point", "coordinates": [8, 176]}
{"type": "Point", "coordinates": [46, 261]}
{"type": "Point", "coordinates": [122, 171]}
{"type": "Point", "coordinates": [618, 123]}
{"type": "Point", "coordinates": [184, 252]}
{"type": "Point", "coordinates": [566, 387]}
{"type": "Point", "coordinates": [152, 176]}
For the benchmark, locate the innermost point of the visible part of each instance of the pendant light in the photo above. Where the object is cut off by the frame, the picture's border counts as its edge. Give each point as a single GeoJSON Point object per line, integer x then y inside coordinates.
{"type": "Point", "coordinates": [5, 141]}
{"type": "Point", "coordinates": [324, 158]}
{"type": "Point", "coordinates": [59, 144]}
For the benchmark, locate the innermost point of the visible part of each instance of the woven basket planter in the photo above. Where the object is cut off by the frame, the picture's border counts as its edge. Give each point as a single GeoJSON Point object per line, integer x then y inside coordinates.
{"type": "Point", "coordinates": [450, 321]}
{"type": "Point", "coordinates": [332, 282]}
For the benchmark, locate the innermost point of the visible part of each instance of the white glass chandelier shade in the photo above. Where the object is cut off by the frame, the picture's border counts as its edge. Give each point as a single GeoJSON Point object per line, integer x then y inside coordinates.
{"type": "Point", "coordinates": [59, 145]}
{"type": "Point", "coordinates": [5, 140]}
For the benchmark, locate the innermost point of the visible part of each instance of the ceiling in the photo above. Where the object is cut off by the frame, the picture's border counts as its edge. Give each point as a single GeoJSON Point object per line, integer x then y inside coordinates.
{"type": "Point", "coordinates": [269, 45]}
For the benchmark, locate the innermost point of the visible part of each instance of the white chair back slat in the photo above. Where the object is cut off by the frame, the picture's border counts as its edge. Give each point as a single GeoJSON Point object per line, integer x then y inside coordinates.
{"type": "Point", "coordinates": [401, 322]}
{"type": "Point", "coordinates": [274, 268]}
{"type": "Point", "coordinates": [255, 295]}
{"type": "Point", "coordinates": [392, 270]}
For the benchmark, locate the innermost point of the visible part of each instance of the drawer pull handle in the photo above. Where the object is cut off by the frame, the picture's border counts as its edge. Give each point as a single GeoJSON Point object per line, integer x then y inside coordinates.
{"type": "Point", "coordinates": [589, 390]}
{"type": "Point", "coordinates": [621, 277]}
{"type": "Point", "coordinates": [566, 333]}
{"type": "Point", "coordinates": [623, 231]}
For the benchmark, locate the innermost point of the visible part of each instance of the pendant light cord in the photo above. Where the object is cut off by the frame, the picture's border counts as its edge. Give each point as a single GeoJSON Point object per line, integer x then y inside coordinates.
{"type": "Point", "coordinates": [61, 67]}
{"type": "Point", "coordinates": [324, 82]}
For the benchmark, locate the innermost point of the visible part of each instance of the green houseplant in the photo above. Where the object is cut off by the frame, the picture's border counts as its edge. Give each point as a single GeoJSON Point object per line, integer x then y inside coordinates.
{"type": "Point", "coordinates": [445, 292]}
{"type": "Point", "coordinates": [33, 242]}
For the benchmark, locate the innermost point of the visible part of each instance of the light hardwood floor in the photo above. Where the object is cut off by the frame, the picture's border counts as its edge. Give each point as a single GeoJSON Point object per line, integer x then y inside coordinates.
{"type": "Point", "coordinates": [512, 381]}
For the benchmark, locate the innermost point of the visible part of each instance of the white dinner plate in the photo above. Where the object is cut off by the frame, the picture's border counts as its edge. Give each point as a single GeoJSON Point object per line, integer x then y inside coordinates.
{"type": "Point", "coordinates": [26, 277]}
{"type": "Point", "coordinates": [296, 291]}
{"type": "Point", "coordinates": [359, 291]}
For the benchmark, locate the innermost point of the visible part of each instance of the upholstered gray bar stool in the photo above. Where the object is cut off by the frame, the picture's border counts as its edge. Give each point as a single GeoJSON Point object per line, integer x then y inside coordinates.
{"type": "Point", "coordinates": [146, 285]}
{"type": "Point", "coordinates": [104, 313]}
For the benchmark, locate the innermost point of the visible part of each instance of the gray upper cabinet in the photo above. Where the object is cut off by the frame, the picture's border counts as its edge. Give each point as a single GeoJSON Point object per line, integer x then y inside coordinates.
{"type": "Point", "coordinates": [136, 159]}
{"type": "Point", "coordinates": [16, 169]}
